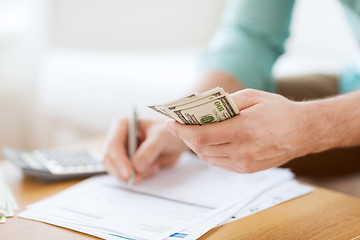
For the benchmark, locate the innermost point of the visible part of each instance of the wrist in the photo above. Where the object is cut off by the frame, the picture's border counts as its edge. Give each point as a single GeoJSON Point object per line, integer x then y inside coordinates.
{"type": "Point", "coordinates": [319, 130]}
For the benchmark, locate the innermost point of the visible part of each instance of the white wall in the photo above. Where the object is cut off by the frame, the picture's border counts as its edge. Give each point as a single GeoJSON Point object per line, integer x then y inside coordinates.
{"type": "Point", "coordinates": [134, 24]}
{"type": "Point", "coordinates": [21, 44]}
{"type": "Point", "coordinates": [320, 37]}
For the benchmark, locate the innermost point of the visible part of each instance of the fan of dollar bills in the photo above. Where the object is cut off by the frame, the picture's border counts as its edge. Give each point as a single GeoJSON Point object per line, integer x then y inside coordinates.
{"type": "Point", "coordinates": [212, 106]}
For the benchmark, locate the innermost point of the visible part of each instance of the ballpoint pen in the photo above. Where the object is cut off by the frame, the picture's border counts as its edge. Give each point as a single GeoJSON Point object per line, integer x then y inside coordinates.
{"type": "Point", "coordinates": [132, 142]}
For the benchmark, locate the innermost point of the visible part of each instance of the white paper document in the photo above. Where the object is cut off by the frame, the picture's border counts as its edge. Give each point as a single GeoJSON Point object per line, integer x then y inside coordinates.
{"type": "Point", "coordinates": [181, 202]}
{"type": "Point", "coordinates": [7, 201]}
{"type": "Point", "coordinates": [281, 193]}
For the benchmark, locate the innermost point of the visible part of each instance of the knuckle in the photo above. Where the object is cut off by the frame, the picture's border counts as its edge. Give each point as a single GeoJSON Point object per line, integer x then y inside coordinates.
{"type": "Point", "coordinates": [140, 156]}
{"type": "Point", "coordinates": [249, 155]}
{"type": "Point", "coordinates": [249, 92]}
{"type": "Point", "coordinates": [205, 158]}
{"type": "Point", "coordinates": [247, 134]}
{"type": "Point", "coordinates": [218, 164]}
{"type": "Point", "coordinates": [143, 155]}
{"type": "Point", "coordinates": [247, 167]}
{"type": "Point", "coordinates": [175, 131]}
{"type": "Point", "coordinates": [196, 138]}
{"type": "Point", "coordinates": [249, 170]}
{"type": "Point", "coordinates": [231, 136]}
{"type": "Point", "coordinates": [197, 149]}
{"type": "Point", "coordinates": [201, 139]}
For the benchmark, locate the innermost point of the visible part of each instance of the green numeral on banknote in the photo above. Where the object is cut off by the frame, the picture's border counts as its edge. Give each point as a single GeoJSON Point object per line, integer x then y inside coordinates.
{"type": "Point", "coordinates": [219, 106]}
{"type": "Point", "coordinates": [207, 119]}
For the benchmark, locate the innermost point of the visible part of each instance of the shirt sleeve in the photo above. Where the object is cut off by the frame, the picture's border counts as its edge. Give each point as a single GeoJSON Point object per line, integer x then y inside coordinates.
{"type": "Point", "coordinates": [250, 38]}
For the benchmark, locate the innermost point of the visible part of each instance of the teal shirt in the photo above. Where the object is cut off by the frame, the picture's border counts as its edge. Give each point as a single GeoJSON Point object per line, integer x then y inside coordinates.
{"type": "Point", "coordinates": [252, 35]}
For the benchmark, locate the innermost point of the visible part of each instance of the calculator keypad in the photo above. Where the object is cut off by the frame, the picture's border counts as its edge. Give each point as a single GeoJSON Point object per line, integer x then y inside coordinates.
{"type": "Point", "coordinates": [65, 162]}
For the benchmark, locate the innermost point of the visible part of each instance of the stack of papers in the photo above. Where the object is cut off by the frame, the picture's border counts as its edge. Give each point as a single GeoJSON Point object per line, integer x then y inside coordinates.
{"type": "Point", "coordinates": [7, 202]}
{"type": "Point", "coordinates": [182, 202]}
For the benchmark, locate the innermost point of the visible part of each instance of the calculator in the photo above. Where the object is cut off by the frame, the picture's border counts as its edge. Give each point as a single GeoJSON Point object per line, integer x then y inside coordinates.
{"type": "Point", "coordinates": [49, 165]}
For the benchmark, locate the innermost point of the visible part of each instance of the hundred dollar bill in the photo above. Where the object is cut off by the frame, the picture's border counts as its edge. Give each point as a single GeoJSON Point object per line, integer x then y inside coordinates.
{"type": "Point", "coordinates": [163, 109]}
{"type": "Point", "coordinates": [212, 106]}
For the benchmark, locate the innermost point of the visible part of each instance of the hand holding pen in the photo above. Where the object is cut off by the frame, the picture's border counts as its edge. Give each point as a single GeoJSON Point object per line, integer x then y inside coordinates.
{"type": "Point", "coordinates": [156, 148]}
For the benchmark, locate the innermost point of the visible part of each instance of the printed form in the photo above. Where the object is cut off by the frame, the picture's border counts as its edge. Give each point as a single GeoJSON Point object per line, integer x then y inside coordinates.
{"type": "Point", "coordinates": [184, 201]}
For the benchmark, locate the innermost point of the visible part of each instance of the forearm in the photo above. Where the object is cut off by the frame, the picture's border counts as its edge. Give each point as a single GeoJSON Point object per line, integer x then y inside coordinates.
{"type": "Point", "coordinates": [213, 79]}
{"type": "Point", "coordinates": [333, 122]}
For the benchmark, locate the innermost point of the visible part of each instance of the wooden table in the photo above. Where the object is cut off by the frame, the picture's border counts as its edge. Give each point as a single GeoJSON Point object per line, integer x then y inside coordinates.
{"type": "Point", "coordinates": [323, 214]}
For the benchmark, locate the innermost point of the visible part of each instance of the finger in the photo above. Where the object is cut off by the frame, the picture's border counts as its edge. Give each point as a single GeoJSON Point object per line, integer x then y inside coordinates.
{"type": "Point", "coordinates": [116, 151]}
{"type": "Point", "coordinates": [118, 131]}
{"type": "Point", "coordinates": [111, 168]}
{"type": "Point", "coordinates": [209, 134]}
{"type": "Point", "coordinates": [148, 152]}
{"type": "Point", "coordinates": [120, 161]}
{"type": "Point", "coordinates": [256, 166]}
{"type": "Point", "coordinates": [220, 132]}
{"type": "Point", "coordinates": [247, 98]}
{"type": "Point", "coordinates": [225, 149]}
{"type": "Point", "coordinates": [168, 160]}
{"type": "Point", "coordinates": [143, 126]}
{"type": "Point", "coordinates": [218, 161]}
{"type": "Point", "coordinates": [227, 163]}
{"type": "Point", "coordinates": [148, 173]}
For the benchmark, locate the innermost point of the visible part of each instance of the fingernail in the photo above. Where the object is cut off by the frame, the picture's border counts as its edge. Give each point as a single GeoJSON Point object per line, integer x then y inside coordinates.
{"type": "Point", "coordinates": [124, 173]}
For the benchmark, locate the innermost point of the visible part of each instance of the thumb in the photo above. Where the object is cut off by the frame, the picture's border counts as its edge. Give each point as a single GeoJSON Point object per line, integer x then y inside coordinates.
{"type": "Point", "coordinates": [247, 98]}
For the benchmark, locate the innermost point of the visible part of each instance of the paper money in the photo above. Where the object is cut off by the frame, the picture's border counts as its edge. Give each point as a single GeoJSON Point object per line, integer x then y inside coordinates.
{"type": "Point", "coordinates": [212, 106]}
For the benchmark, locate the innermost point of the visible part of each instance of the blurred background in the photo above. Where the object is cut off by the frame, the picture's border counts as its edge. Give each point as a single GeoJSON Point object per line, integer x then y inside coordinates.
{"type": "Point", "coordinates": [68, 67]}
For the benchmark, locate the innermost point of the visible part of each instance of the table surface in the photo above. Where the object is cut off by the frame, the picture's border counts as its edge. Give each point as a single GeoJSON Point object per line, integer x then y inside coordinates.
{"type": "Point", "coordinates": [323, 214]}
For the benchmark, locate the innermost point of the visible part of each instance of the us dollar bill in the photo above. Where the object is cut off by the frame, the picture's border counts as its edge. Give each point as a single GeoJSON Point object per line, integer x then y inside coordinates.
{"type": "Point", "coordinates": [212, 106]}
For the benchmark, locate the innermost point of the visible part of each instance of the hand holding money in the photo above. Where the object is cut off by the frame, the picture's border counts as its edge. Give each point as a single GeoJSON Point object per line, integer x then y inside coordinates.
{"type": "Point", "coordinates": [270, 131]}
{"type": "Point", "coordinates": [212, 106]}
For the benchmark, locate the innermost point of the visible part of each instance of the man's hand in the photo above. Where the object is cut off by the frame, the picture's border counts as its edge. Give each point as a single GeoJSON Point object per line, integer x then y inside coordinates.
{"type": "Point", "coordinates": [269, 131]}
{"type": "Point", "coordinates": [157, 149]}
